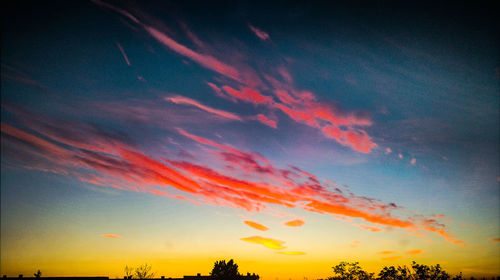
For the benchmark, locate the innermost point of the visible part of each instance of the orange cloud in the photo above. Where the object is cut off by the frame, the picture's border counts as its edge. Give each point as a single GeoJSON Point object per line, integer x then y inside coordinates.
{"type": "Point", "coordinates": [110, 235]}
{"type": "Point", "coordinates": [393, 258]}
{"type": "Point", "coordinates": [256, 225]}
{"type": "Point", "coordinates": [495, 239]}
{"type": "Point", "coordinates": [267, 242]}
{"type": "Point", "coordinates": [292, 253]}
{"type": "Point", "coordinates": [386, 252]}
{"type": "Point", "coordinates": [295, 223]}
{"type": "Point", "coordinates": [415, 252]}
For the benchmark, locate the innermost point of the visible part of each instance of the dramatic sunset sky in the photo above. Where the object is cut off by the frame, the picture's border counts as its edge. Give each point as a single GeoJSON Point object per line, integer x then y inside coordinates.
{"type": "Point", "coordinates": [288, 136]}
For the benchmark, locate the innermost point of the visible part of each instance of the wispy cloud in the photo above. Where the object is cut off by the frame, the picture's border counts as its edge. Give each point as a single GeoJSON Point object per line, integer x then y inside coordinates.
{"type": "Point", "coordinates": [259, 33]}
{"type": "Point", "coordinates": [496, 239]}
{"type": "Point", "coordinates": [267, 242]}
{"type": "Point", "coordinates": [192, 102]}
{"type": "Point", "coordinates": [124, 54]}
{"type": "Point", "coordinates": [256, 225]}
{"type": "Point", "coordinates": [104, 159]}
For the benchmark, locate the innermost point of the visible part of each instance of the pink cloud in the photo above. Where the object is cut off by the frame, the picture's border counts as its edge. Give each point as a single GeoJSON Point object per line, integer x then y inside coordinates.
{"type": "Point", "coordinates": [413, 161]}
{"type": "Point", "coordinates": [388, 151]}
{"type": "Point", "coordinates": [125, 57]}
{"type": "Point", "coordinates": [265, 120]}
{"type": "Point", "coordinates": [192, 102]}
{"type": "Point", "coordinates": [259, 33]}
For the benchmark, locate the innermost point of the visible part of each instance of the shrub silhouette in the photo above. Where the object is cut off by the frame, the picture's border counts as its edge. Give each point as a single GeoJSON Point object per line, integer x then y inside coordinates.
{"type": "Point", "coordinates": [350, 271]}
{"type": "Point", "coordinates": [38, 274]}
{"type": "Point", "coordinates": [129, 272]}
{"type": "Point", "coordinates": [417, 272]}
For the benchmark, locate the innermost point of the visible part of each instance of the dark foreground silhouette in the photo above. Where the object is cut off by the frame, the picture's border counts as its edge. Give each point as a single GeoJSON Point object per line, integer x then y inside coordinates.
{"type": "Point", "coordinates": [223, 270]}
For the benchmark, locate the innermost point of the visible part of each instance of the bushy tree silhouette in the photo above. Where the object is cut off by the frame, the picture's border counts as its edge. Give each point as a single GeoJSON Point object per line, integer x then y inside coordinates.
{"type": "Point", "coordinates": [38, 274]}
{"type": "Point", "coordinates": [416, 272]}
{"type": "Point", "coordinates": [144, 272]}
{"type": "Point", "coordinates": [225, 271]}
{"type": "Point", "coordinates": [350, 271]}
{"type": "Point", "coordinates": [129, 272]}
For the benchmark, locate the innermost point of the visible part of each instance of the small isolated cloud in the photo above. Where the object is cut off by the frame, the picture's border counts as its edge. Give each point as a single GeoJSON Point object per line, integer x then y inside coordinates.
{"type": "Point", "coordinates": [413, 161]}
{"type": "Point", "coordinates": [259, 33]}
{"type": "Point", "coordinates": [354, 244]}
{"type": "Point", "coordinates": [495, 239]}
{"type": "Point", "coordinates": [400, 155]}
{"type": "Point", "coordinates": [291, 253]}
{"type": "Point", "coordinates": [386, 252]}
{"type": "Point", "coordinates": [415, 252]}
{"type": "Point", "coordinates": [370, 228]}
{"type": "Point", "coordinates": [256, 225]}
{"type": "Point", "coordinates": [388, 151]}
{"type": "Point", "coordinates": [268, 242]}
{"type": "Point", "coordinates": [393, 258]}
{"type": "Point", "coordinates": [295, 223]}
{"type": "Point", "coordinates": [110, 235]}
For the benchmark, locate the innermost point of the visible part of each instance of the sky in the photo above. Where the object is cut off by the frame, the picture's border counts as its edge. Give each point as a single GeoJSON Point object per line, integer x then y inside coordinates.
{"type": "Point", "coordinates": [288, 136]}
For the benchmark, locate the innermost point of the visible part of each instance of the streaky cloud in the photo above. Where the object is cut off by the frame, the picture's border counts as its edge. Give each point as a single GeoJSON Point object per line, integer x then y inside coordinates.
{"type": "Point", "coordinates": [192, 102]}
{"type": "Point", "coordinates": [267, 242]}
{"type": "Point", "coordinates": [256, 225]}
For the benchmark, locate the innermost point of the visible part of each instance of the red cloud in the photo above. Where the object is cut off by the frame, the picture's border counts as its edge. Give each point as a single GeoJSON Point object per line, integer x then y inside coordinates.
{"type": "Point", "coordinates": [103, 159]}
{"type": "Point", "coordinates": [295, 223]}
{"type": "Point", "coordinates": [263, 119]}
{"type": "Point", "coordinates": [495, 239]}
{"type": "Point", "coordinates": [256, 225]}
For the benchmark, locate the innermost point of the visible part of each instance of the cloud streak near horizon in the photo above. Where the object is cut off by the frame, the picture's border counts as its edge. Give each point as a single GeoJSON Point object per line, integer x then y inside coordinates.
{"type": "Point", "coordinates": [251, 183]}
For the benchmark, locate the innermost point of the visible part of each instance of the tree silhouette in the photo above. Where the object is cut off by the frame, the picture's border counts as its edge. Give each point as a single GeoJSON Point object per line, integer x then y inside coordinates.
{"type": "Point", "coordinates": [225, 271]}
{"type": "Point", "coordinates": [144, 272]}
{"type": "Point", "coordinates": [350, 271]}
{"type": "Point", "coordinates": [38, 274]}
{"type": "Point", "coordinates": [417, 272]}
{"type": "Point", "coordinates": [129, 272]}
